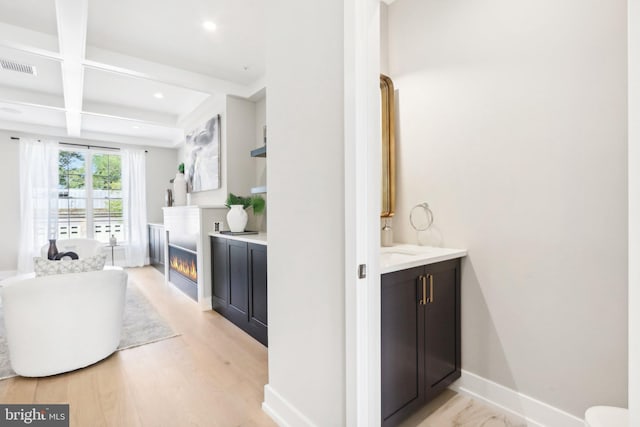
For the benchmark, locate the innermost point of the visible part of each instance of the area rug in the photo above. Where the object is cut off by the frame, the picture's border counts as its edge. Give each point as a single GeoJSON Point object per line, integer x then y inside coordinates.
{"type": "Point", "coordinates": [141, 324]}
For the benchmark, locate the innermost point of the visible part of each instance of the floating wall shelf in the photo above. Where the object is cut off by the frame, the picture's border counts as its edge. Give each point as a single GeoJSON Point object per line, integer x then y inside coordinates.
{"type": "Point", "coordinates": [259, 190]}
{"type": "Point", "coordinates": [259, 152]}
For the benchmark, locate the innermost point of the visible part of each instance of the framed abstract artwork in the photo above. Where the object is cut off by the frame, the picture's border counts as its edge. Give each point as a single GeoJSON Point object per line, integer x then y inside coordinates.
{"type": "Point", "coordinates": [202, 163]}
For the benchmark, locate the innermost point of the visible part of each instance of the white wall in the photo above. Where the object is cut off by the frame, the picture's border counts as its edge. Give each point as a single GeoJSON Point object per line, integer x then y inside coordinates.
{"type": "Point", "coordinates": [237, 127]}
{"type": "Point", "coordinates": [241, 167]}
{"type": "Point", "coordinates": [161, 167]}
{"type": "Point", "coordinates": [161, 164]}
{"type": "Point", "coordinates": [384, 38]}
{"type": "Point", "coordinates": [305, 117]}
{"type": "Point", "coordinates": [212, 106]}
{"type": "Point", "coordinates": [512, 125]}
{"type": "Point", "coordinates": [10, 211]}
{"type": "Point", "coordinates": [261, 120]}
{"type": "Point", "coordinates": [261, 163]}
{"type": "Point", "coordinates": [634, 212]}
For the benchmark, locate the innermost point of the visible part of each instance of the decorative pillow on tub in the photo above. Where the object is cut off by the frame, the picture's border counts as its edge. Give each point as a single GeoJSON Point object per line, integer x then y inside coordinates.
{"type": "Point", "coordinates": [45, 267]}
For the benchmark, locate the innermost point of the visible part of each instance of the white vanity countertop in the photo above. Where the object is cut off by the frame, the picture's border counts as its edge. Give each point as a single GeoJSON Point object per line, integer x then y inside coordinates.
{"type": "Point", "coordinates": [260, 238]}
{"type": "Point", "coordinates": [402, 256]}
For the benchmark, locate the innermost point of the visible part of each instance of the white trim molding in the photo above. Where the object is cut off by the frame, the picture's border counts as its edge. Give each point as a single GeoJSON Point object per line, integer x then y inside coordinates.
{"type": "Point", "coordinates": [534, 412]}
{"type": "Point", "coordinates": [362, 189]}
{"type": "Point", "coordinates": [282, 411]}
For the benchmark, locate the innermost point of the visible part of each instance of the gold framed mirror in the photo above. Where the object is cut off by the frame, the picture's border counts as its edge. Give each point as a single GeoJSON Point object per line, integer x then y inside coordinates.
{"type": "Point", "coordinates": [388, 147]}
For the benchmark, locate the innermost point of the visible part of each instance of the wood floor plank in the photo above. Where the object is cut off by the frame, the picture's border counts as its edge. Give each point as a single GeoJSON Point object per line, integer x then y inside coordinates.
{"type": "Point", "coordinates": [115, 394]}
{"type": "Point", "coordinates": [19, 390]}
{"type": "Point", "coordinates": [52, 390]}
{"type": "Point", "coordinates": [84, 399]}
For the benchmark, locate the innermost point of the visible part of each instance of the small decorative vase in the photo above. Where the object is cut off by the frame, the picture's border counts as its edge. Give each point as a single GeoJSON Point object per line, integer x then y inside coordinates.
{"type": "Point", "coordinates": [179, 190]}
{"type": "Point", "coordinates": [237, 218]}
{"type": "Point", "coordinates": [53, 249]}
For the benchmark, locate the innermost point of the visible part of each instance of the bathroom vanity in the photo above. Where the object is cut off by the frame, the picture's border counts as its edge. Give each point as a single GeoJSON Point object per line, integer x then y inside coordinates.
{"type": "Point", "coordinates": [420, 326]}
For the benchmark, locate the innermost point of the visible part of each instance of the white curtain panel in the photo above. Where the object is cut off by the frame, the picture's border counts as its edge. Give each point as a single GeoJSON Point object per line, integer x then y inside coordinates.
{"type": "Point", "coordinates": [38, 199]}
{"type": "Point", "coordinates": [134, 208]}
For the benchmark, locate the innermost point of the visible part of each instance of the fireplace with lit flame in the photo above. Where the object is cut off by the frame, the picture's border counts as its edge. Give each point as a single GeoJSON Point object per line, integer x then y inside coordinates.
{"type": "Point", "coordinates": [183, 270]}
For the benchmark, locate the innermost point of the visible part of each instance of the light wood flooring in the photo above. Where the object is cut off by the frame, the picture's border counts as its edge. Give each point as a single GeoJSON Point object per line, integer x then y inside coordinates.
{"type": "Point", "coordinates": [211, 375]}
{"type": "Point", "coordinates": [450, 409]}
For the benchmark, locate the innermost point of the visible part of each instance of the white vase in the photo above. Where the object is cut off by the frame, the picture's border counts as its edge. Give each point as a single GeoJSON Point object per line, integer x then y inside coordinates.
{"type": "Point", "coordinates": [179, 190]}
{"type": "Point", "coordinates": [237, 218]}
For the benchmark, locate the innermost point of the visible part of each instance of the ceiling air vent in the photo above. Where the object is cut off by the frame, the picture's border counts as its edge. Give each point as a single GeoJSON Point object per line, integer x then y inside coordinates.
{"type": "Point", "coordinates": [20, 68]}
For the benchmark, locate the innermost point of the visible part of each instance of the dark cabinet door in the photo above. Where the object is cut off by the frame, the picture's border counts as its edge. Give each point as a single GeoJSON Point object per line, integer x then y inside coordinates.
{"type": "Point", "coordinates": [156, 247]}
{"type": "Point", "coordinates": [238, 270]}
{"type": "Point", "coordinates": [160, 238]}
{"type": "Point", "coordinates": [420, 336]}
{"type": "Point", "coordinates": [442, 326]}
{"type": "Point", "coordinates": [153, 245]}
{"type": "Point", "coordinates": [220, 283]}
{"type": "Point", "coordinates": [239, 284]}
{"type": "Point", "coordinates": [402, 343]}
{"type": "Point", "coordinates": [258, 291]}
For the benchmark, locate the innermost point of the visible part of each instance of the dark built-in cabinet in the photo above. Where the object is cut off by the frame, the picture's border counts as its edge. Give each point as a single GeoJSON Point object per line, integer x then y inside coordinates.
{"type": "Point", "coordinates": [239, 288]}
{"type": "Point", "coordinates": [420, 328]}
{"type": "Point", "coordinates": [156, 246]}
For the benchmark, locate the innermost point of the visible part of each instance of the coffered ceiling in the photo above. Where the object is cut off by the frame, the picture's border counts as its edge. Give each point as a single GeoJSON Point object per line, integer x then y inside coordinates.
{"type": "Point", "coordinates": [126, 71]}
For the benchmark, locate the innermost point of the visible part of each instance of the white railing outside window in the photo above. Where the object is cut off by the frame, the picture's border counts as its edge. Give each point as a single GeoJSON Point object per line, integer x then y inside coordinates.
{"type": "Point", "coordinates": [90, 195]}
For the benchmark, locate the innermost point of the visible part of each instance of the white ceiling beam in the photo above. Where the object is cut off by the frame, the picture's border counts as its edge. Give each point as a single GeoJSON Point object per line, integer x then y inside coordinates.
{"type": "Point", "coordinates": [28, 129]}
{"type": "Point", "coordinates": [72, 36]}
{"type": "Point", "coordinates": [129, 140]}
{"type": "Point", "coordinates": [29, 98]}
{"type": "Point", "coordinates": [131, 114]}
{"type": "Point", "coordinates": [105, 60]}
{"type": "Point", "coordinates": [257, 90]}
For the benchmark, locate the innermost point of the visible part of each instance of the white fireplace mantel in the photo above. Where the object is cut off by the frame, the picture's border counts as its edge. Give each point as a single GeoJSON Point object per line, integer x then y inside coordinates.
{"type": "Point", "coordinates": [196, 222]}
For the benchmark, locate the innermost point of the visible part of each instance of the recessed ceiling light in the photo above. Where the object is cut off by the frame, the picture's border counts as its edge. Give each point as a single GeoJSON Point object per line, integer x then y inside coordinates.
{"type": "Point", "coordinates": [158, 95]}
{"type": "Point", "coordinates": [209, 26]}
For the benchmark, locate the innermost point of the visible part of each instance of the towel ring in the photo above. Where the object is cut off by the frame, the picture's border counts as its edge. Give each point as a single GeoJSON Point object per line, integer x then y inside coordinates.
{"type": "Point", "coordinates": [427, 211]}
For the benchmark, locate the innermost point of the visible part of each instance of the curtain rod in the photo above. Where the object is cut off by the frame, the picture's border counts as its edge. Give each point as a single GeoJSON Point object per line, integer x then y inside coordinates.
{"type": "Point", "coordinates": [15, 138]}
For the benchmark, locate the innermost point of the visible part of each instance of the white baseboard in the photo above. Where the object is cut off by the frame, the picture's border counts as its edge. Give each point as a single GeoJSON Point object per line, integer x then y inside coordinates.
{"type": "Point", "coordinates": [535, 412]}
{"type": "Point", "coordinates": [281, 411]}
{"type": "Point", "coordinates": [205, 305]}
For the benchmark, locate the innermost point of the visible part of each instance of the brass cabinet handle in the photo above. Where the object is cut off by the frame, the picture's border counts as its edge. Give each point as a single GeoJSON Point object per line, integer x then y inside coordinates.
{"type": "Point", "coordinates": [424, 290]}
{"type": "Point", "coordinates": [423, 298]}
{"type": "Point", "coordinates": [431, 288]}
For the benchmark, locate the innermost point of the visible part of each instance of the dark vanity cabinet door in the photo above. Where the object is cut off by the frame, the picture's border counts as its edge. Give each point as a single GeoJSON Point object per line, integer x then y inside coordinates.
{"type": "Point", "coordinates": [402, 340]}
{"type": "Point", "coordinates": [239, 284]}
{"type": "Point", "coordinates": [442, 326]}
{"type": "Point", "coordinates": [420, 336]}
